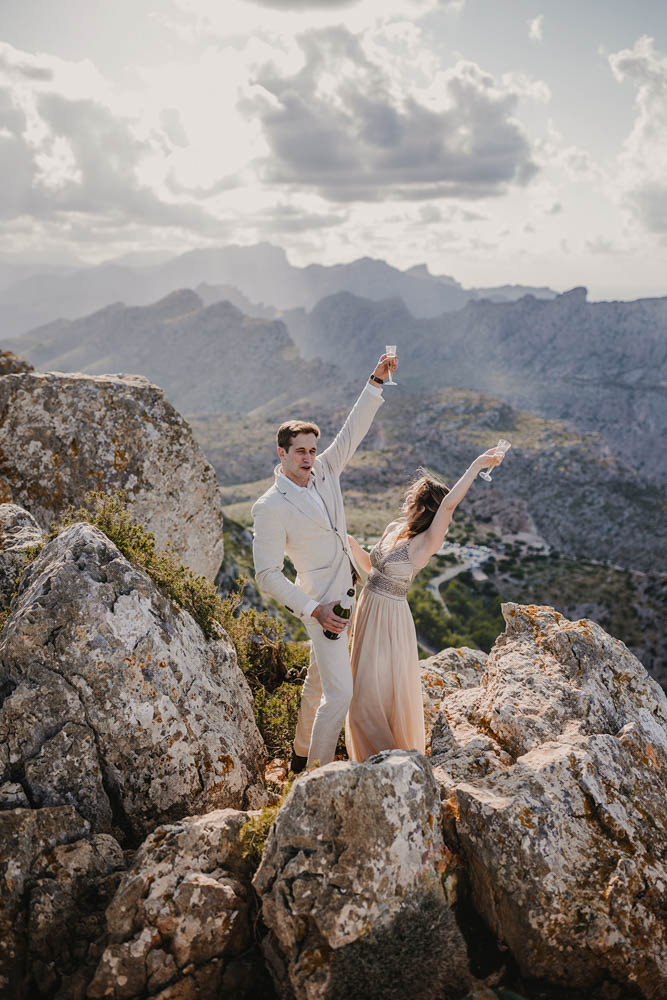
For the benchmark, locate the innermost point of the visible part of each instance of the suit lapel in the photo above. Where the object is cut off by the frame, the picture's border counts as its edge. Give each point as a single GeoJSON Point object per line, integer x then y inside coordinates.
{"type": "Point", "coordinates": [320, 480]}
{"type": "Point", "coordinates": [294, 499]}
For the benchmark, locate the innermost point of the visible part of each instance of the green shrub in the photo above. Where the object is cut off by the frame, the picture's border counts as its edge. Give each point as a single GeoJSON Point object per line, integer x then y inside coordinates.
{"type": "Point", "coordinates": [255, 831]}
{"type": "Point", "coordinates": [276, 713]}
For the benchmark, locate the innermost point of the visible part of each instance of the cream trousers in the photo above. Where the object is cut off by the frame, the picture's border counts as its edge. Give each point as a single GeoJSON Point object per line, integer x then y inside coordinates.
{"type": "Point", "coordinates": [325, 698]}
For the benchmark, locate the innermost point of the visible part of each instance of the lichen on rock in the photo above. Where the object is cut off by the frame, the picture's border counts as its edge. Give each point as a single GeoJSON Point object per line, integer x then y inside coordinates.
{"type": "Point", "coordinates": [351, 885]}
{"type": "Point", "coordinates": [19, 532]}
{"type": "Point", "coordinates": [553, 774]}
{"type": "Point", "coordinates": [114, 701]}
{"type": "Point", "coordinates": [181, 919]}
{"type": "Point", "coordinates": [452, 669]}
{"type": "Point", "coordinates": [55, 880]}
{"type": "Point", "coordinates": [64, 435]}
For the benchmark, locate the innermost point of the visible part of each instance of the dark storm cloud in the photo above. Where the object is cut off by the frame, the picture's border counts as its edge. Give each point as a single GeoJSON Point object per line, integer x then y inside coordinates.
{"type": "Point", "coordinates": [360, 142]}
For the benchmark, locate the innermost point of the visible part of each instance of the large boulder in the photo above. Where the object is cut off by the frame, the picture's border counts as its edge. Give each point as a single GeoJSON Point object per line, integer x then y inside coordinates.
{"type": "Point", "coordinates": [351, 886]}
{"type": "Point", "coordinates": [12, 364]}
{"type": "Point", "coordinates": [553, 774]}
{"type": "Point", "coordinates": [180, 925]}
{"type": "Point", "coordinates": [55, 881]}
{"type": "Point", "coordinates": [451, 669]}
{"type": "Point", "coordinates": [19, 531]}
{"type": "Point", "coordinates": [114, 701]}
{"type": "Point", "coordinates": [62, 435]}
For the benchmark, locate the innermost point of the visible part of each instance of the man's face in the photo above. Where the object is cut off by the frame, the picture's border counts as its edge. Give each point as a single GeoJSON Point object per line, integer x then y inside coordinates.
{"type": "Point", "coordinates": [299, 460]}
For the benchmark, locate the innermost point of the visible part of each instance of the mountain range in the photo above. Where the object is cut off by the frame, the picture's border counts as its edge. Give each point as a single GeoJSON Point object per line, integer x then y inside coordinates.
{"type": "Point", "coordinates": [260, 273]}
{"type": "Point", "coordinates": [601, 366]}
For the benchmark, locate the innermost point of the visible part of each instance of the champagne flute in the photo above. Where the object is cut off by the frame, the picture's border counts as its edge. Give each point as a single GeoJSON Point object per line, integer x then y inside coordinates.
{"type": "Point", "coordinates": [390, 349]}
{"type": "Point", "coordinates": [501, 447]}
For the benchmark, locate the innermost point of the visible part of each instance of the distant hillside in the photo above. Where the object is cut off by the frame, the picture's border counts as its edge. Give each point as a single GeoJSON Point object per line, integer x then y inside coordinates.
{"type": "Point", "coordinates": [564, 485]}
{"type": "Point", "coordinates": [208, 359]}
{"type": "Point", "coordinates": [601, 365]}
{"type": "Point", "coordinates": [260, 274]}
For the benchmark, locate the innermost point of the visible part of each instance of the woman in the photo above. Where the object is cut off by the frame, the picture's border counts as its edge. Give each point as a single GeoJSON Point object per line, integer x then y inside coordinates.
{"type": "Point", "coordinates": [386, 711]}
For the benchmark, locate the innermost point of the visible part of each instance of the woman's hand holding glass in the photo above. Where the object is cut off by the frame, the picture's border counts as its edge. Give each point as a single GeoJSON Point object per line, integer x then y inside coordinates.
{"type": "Point", "coordinates": [491, 458]}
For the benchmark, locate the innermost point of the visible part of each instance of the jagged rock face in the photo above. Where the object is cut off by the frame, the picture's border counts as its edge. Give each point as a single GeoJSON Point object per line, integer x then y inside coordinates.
{"type": "Point", "coordinates": [113, 699]}
{"type": "Point", "coordinates": [11, 364]}
{"type": "Point", "coordinates": [449, 670]}
{"type": "Point", "coordinates": [18, 532]}
{"type": "Point", "coordinates": [554, 776]}
{"type": "Point", "coordinates": [181, 918]}
{"type": "Point", "coordinates": [351, 889]}
{"type": "Point", "coordinates": [56, 880]}
{"type": "Point", "coordinates": [62, 435]}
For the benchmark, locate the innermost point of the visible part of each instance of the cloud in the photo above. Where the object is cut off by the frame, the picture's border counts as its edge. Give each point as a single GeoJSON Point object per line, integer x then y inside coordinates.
{"type": "Point", "coordinates": [171, 122]}
{"type": "Point", "coordinates": [65, 156]}
{"type": "Point", "coordinates": [344, 126]}
{"type": "Point", "coordinates": [642, 180]}
{"type": "Point", "coordinates": [291, 219]}
{"type": "Point", "coordinates": [305, 4]}
{"type": "Point", "coordinates": [577, 163]}
{"type": "Point", "coordinates": [535, 28]}
{"type": "Point", "coordinates": [235, 19]}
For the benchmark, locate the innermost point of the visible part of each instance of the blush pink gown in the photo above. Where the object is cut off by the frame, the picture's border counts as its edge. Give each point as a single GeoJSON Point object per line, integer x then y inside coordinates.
{"type": "Point", "coordinates": [387, 710]}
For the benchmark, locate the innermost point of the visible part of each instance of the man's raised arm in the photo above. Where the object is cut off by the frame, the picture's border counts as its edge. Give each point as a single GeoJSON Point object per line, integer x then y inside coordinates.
{"type": "Point", "coordinates": [268, 551]}
{"type": "Point", "coordinates": [358, 421]}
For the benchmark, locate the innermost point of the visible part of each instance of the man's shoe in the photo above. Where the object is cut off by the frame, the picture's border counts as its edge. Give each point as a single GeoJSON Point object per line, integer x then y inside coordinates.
{"type": "Point", "coordinates": [297, 763]}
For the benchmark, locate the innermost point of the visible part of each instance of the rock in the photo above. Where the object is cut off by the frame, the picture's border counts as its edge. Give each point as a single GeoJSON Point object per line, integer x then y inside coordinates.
{"type": "Point", "coordinates": [62, 435]}
{"type": "Point", "coordinates": [36, 920]}
{"type": "Point", "coordinates": [554, 778]}
{"type": "Point", "coordinates": [114, 700]}
{"type": "Point", "coordinates": [18, 531]}
{"type": "Point", "coordinates": [11, 364]}
{"type": "Point", "coordinates": [71, 887]}
{"type": "Point", "coordinates": [351, 885]}
{"type": "Point", "coordinates": [449, 670]}
{"type": "Point", "coordinates": [181, 918]}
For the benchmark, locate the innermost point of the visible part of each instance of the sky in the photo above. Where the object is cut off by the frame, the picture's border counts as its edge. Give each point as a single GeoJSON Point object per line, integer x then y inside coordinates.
{"type": "Point", "coordinates": [497, 141]}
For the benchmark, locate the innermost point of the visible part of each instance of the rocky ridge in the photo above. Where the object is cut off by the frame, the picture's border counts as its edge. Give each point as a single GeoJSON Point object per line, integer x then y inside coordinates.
{"type": "Point", "coordinates": [259, 273]}
{"type": "Point", "coordinates": [180, 924]}
{"type": "Point", "coordinates": [601, 366]}
{"type": "Point", "coordinates": [19, 532]}
{"type": "Point", "coordinates": [553, 774]}
{"type": "Point", "coordinates": [62, 435]}
{"type": "Point", "coordinates": [135, 720]}
{"type": "Point", "coordinates": [208, 358]}
{"type": "Point", "coordinates": [351, 890]}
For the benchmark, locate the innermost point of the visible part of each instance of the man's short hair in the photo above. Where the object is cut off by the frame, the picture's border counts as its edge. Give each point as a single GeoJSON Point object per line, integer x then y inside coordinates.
{"type": "Point", "coordinates": [290, 429]}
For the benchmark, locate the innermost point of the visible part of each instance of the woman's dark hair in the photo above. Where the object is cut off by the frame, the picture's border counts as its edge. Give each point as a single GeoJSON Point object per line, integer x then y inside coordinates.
{"type": "Point", "coordinates": [426, 494]}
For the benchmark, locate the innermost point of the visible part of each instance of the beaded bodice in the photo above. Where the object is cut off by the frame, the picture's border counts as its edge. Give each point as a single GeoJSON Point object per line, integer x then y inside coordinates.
{"type": "Point", "coordinates": [391, 571]}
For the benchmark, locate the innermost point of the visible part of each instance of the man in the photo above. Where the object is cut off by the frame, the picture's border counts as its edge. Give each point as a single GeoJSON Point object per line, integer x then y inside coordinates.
{"type": "Point", "coordinates": [302, 516]}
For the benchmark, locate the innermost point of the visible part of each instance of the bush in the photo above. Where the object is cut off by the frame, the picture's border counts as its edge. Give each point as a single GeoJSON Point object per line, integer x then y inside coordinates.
{"type": "Point", "coordinates": [254, 833]}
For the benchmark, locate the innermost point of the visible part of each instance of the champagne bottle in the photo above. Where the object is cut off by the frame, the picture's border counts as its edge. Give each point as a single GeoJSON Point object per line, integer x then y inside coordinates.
{"type": "Point", "coordinates": [343, 610]}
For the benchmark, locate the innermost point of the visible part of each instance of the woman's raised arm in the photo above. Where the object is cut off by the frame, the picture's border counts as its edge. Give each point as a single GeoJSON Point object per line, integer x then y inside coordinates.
{"type": "Point", "coordinates": [426, 544]}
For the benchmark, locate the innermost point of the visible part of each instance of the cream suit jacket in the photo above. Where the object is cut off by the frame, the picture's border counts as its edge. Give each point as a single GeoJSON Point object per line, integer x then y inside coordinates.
{"type": "Point", "coordinates": [316, 544]}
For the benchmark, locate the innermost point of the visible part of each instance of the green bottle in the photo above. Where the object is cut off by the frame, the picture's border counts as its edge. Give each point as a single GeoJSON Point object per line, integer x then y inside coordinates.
{"type": "Point", "coordinates": [343, 610]}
